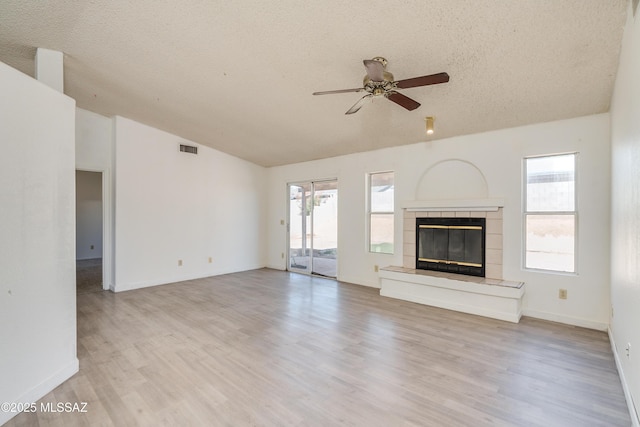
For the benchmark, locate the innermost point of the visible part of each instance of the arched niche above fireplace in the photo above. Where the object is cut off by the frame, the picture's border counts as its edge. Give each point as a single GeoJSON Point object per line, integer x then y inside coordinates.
{"type": "Point", "coordinates": [452, 179]}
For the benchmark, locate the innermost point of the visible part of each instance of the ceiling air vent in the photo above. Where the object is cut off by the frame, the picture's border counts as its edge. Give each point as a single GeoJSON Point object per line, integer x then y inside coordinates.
{"type": "Point", "coordinates": [188, 149]}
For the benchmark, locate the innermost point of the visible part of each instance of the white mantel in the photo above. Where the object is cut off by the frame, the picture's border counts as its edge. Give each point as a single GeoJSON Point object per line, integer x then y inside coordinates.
{"type": "Point", "coordinates": [455, 205]}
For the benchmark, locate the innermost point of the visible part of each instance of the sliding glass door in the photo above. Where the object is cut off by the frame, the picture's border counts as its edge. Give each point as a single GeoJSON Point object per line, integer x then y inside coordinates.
{"type": "Point", "coordinates": [313, 227]}
{"type": "Point", "coordinates": [299, 227]}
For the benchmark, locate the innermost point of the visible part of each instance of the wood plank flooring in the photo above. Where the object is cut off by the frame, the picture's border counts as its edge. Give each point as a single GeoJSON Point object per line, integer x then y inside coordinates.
{"type": "Point", "coordinates": [272, 348]}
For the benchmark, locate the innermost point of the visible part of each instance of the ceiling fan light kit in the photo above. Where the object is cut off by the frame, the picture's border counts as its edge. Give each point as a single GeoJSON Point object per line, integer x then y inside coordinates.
{"type": "Point", "coordinates": [379, 82]}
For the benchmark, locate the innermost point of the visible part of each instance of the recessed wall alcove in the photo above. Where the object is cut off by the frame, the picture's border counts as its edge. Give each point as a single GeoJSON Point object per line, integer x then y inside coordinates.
{"type": "Point", "coordinates": [452, 179]}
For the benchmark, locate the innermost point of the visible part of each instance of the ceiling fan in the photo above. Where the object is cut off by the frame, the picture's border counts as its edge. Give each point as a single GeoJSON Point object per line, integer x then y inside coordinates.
{"type": "Point", "coordinates": [379, 82]}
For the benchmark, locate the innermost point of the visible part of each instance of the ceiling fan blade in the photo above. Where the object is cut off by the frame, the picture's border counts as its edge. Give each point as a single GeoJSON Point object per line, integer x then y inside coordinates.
{"type": "Point", "coordinates": [432, 79]}
{"type": "Point", "coordinates": [403, 101]}
{"type": "Point", "coordinates": [358, 104]}
{"type": "Point", "coordinates": [329, 92]}
{"type": "Point", "coordinates": [375, 70]}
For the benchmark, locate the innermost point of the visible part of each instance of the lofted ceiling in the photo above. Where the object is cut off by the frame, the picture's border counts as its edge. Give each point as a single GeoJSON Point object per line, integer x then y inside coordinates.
{"type": "Point", "coordinates": [238, 75]}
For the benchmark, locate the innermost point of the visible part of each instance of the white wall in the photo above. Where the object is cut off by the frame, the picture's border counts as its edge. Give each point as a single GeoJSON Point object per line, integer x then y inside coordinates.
{"type": "Point", "coordinates": [88, 215]}
{"type": "Point", "coordinates": [94, 152]}
{"type": "Point", "coordinates": [625, 216]}
{"type": "Point", "coordinates": [499, 156]}
{"type": "Point", "coordinates": [37, 248]}
{"type": "Point", "coordinates": [172, 206]}
{"type": "Point", "coordinates": [94, 141]}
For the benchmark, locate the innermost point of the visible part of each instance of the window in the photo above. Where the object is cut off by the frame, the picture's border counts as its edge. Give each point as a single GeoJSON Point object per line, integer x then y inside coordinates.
{"type": "Point", "coordinates": [550, 216]}
{"type": "Point", "coordinates": [381, 215]}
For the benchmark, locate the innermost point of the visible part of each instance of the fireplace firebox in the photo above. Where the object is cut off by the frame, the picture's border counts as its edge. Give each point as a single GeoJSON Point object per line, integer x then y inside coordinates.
{"type": "Point", "coordinates": [454, 245]}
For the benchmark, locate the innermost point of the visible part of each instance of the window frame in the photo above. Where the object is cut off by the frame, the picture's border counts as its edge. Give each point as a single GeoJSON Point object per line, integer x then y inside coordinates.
{"type": "Point", "coordinates": [370, 212]}
{"type": "Point", "coordinates": [574, 213]}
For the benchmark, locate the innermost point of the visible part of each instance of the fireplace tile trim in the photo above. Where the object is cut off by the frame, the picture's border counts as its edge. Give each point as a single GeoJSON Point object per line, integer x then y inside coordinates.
{"type": "Point", "coordinates": [493, 261]}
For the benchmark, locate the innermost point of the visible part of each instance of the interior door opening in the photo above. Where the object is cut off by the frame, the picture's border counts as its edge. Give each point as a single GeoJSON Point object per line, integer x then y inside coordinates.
{"type": "Point", "coordinates": [89, 232]}
{"type": "Point", "coordinates": [313, 228]}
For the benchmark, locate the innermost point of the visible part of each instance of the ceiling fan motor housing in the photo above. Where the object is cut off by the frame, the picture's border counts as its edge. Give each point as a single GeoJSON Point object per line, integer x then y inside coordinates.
{"type": "Point", "coordinates": [379, 88]}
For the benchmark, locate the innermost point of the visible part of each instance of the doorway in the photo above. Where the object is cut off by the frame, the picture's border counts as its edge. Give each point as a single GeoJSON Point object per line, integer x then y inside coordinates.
{"type": "Point", "coordinates": [89, 232]}
{"type": "Point", "coordinates": [313, 228]}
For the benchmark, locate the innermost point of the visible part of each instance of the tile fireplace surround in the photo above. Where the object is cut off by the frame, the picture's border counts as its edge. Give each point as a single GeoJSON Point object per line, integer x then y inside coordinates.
{"type": "Point", "coordinates": [493, 249]}
{"type": "Point", "coordinates": [489, 296]}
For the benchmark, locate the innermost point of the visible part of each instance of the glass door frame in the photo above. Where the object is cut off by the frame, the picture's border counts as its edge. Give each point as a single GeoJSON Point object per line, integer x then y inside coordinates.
{"type": "Point", "coordinates": [310, 230]}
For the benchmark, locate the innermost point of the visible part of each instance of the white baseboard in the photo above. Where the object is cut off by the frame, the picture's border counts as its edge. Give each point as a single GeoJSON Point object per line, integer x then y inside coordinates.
{"type": "Point", "coordinates": [360, 281]}
{"type": "Point", "coordinates": [635, 419]}
{"type": "Point", "coordinates": [122, 287]}
{"type": "Point", "coordinates": [345, 279]}
{"type": "Point", "coordinates": [568, 320]}
{"type": "Point", "coordinates": [46, 386]}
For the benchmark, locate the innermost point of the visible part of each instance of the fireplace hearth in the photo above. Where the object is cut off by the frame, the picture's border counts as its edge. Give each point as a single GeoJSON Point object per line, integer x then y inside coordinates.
{"type": "Point", "coordinates": [454, 245]}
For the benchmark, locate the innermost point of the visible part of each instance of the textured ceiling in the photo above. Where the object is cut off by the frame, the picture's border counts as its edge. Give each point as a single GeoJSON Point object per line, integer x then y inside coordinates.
{"type": "Point", "coordinates": [238, 75]}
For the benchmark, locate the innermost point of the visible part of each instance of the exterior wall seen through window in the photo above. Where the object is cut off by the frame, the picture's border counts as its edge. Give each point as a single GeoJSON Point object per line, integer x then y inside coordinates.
{"type": "Point", "coordinates": [381, 212]}
{"type": "Point", "coordinates": [550, 217]}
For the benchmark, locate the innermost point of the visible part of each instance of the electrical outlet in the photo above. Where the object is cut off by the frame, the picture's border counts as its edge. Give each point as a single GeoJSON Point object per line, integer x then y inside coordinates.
{"type": "Point", "coordinates": [210, 260]}
{"type": "Point", "coordinates": [179, 263]}
{"type": "Point", "coordinates": [91, 247]}
{"type": "Point", "coordinates": [282, 255]}
{"type": "Point", "coordinates": [282, 222]}
{"type": "Point", "coordinates": [628, 349]}
{"type": "Point", "coordinates": [562, 294]}
{"type": "Point", "coordinates": [375, 268]}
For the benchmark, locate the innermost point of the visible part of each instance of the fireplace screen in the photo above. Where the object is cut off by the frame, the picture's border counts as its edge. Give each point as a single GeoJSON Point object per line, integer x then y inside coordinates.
{"type": "Point", "coordinates": [455, 245]}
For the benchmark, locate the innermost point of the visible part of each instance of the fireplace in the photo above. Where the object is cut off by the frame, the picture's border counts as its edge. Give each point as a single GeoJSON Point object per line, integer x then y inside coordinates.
{"type": "Point", "coordinates": [454, 245]}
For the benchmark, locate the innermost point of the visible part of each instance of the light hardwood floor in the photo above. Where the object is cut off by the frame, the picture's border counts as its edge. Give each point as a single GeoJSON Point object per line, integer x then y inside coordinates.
{"type": "Point", "coordinates": [272, 348]}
